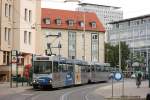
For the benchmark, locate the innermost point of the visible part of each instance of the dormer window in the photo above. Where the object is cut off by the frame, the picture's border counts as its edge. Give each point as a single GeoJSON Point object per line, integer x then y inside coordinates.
{"type": "Point", "coordinates": [93, 24]}
{"type": "Point", "coordinates": [47, 20]}
{"type": "Point", "coordinates": [70, 22]}
{"type": "Point", "coordinates": [81, 24]}
{"type": "Point", "coordinates": [58, 21]}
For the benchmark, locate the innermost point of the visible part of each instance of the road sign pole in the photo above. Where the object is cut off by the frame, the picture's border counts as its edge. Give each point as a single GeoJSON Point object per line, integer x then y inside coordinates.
{"type": "Point", "coordinates": [149, 74]}
{"type": "Point", "coordinates": [16, 69]}
{"type": "Point", "coordinates": [11, 72]}
{"type": "Point", "coordinates": [112, 87]}
{"type": "Point", "coordinates": [122, 84]}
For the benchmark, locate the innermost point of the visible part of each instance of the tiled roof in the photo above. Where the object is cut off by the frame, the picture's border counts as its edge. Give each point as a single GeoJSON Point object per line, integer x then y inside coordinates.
{"type": "Point", "coordinates": [66, 15]}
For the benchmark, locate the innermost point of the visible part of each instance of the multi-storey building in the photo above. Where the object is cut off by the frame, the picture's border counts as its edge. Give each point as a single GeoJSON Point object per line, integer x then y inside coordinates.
{"type": "Point", "coordinates": [19, 30]}
{"type": "Point", "coordinates": [135, 32]}
{"type": "Point", "coordinates": [106, 14]}
{"type": "Point", "coordinates": [6, 24]}
{"type": "Point", "coordinates": [80, 35]}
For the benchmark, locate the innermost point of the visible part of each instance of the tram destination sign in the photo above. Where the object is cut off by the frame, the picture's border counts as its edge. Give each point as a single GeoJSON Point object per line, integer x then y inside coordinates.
{"type": "Point", "coordinates": [42, 58]}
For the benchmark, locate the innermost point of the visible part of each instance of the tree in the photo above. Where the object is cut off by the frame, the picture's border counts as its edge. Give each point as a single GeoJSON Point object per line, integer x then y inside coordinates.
{"type": "Point", "coordinates": [112, 54]}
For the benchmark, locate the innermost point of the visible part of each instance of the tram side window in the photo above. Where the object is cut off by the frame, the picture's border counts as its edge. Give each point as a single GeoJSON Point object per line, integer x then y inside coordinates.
{"type": "Point", "coordinates": [83, 69]}
{"type": "Point", "coordinates": [92, 68]}
{"type": "Point", "coordinates": [88, 69]}
{"type": "Point", "coordinates": [55, 67]}
{"type": "Point", "coordinates": [64, 68]}
{"type": "Point", "coordinates": [98, 69]}
{"type": "Point", "coordinates": [70, 68]}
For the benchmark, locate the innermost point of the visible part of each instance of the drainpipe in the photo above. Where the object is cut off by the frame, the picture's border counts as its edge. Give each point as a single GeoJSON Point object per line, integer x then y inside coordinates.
{"type": "Point", "coordinates": [0, 24]}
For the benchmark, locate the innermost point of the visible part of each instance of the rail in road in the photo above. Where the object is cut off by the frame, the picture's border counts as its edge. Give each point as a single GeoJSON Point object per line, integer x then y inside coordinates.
{"type": "Point", "coordinates": [73, 93]}
{"type": "Point", "coordinates": [79, 94]}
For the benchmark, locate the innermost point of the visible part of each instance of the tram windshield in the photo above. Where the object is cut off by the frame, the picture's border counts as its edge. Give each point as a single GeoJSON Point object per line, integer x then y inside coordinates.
{"type": "Point", "coordinates": [44, 67]}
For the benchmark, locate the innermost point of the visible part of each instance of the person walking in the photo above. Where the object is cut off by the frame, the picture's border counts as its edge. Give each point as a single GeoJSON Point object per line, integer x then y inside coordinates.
{"type": "Point", "coordinates": [138, 78]}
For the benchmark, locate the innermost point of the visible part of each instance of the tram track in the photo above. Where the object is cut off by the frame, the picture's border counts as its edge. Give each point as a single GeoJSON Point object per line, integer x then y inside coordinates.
{"type": "Point", "coordinates": [82, 93]}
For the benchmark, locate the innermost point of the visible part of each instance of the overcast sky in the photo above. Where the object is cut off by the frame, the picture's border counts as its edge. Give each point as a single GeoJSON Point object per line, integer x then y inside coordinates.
{"type": "Point", "coordinates": [131, 8]}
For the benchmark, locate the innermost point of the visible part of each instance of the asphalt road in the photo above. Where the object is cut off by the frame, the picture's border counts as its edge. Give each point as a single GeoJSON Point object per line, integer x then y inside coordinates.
{"type": "Point", "coordinates": [84, 92]}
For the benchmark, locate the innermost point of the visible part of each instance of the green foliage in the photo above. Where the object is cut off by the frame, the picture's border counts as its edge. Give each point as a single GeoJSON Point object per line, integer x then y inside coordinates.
{"type": "Point", "coordinates": [112, 54]}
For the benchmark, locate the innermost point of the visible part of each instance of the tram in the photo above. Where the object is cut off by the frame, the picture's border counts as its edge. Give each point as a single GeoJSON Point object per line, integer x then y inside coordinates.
{"type": "Point", "coordinates": [55, 71]}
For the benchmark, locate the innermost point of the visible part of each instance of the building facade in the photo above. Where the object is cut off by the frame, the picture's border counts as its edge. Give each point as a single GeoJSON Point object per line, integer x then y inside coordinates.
{"type": "Point", "coordinates": [136, 33]}
{"type": "Point", "coordinates": [19, 30]}
{"type": "Point", "coordinates": [106, 14]}
{"type": "Point", "coordinates": [68, 35]}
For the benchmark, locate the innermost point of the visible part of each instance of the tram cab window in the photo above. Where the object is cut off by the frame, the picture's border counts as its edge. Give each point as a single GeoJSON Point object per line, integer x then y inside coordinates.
{"type": "Point", "coordinates": [55, 67]}
{"type": "Point", "coordinates": [42, 67]}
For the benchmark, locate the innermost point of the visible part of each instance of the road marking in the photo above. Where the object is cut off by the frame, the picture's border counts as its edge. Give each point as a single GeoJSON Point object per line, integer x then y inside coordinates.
{"type": "Point", "coordinates": [27, 94]}
{"type": "Point", "coordinates": [65, 96]}
{"type": "Point", "coordinates": [86, 97]}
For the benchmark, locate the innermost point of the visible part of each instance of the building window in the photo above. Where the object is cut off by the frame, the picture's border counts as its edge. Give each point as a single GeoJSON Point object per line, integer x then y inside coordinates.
{"type": "Point", "coordinates": [9, 11]}
{"type": "Point", "coordinates": [5, 33]}
{"type": "Point", "coordinates": [9, 32]}
{"type": "Point", "coordinates": [93, 24]}
{"type": "Point", "coordinates": [29, 37]}
{"type": "Point", "coordinates": [47, 20]}
{"type": "Point", "coordinates": [30, 15]}
{"type": "Point", "coordinates": [94, 47]}
{"type": "Point", "coordinates": [70, 22]}
{"type": "Point", "coordinates": [6, 9]}
{"type": "Point", "coordinates": [25, 37]}
{"type": "Point", "coordinates": [4, 57]}
{"type": "Point", "coordinates": [58, 21]}
{"type": "Point", "coordinates": [81, 24]}
{"type": "Point", "coordinates": [72, 45]}
{"type": "Point", "coordinates": [25, 14]}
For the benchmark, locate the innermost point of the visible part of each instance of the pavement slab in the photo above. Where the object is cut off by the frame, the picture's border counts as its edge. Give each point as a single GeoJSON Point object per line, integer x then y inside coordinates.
{"type": "Point", "coordinates": [130, 89]}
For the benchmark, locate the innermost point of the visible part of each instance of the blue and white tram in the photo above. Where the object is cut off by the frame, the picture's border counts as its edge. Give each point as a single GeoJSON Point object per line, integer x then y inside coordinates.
{"type": "Point", "coordinates": [99, 72]}
{"type": "Point", "coordinates": [54, 71]}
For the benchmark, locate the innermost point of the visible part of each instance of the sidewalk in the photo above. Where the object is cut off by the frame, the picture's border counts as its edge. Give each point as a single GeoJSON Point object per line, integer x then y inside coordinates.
{"type": "Point", "coordinates": [6, 90]}
{"type": "Point", "coordinates": [130, 89]}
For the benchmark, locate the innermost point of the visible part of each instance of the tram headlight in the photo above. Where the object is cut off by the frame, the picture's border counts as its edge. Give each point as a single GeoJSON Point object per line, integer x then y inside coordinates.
{"type": "Point", "coordinates": [34, 81]}
{"type": "Point", "coordinates": [50, 81]}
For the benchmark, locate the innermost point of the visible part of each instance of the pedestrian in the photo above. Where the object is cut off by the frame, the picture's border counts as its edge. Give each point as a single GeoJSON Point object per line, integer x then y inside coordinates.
{"type": "Point", "coordinates": [138, 78]}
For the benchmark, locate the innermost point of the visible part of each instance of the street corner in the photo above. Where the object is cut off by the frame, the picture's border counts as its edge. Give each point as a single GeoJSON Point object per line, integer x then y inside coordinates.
{"type": "Point", "coordinates": [6, 90]}
{"type": "Point", "coordinates": [130, 89]}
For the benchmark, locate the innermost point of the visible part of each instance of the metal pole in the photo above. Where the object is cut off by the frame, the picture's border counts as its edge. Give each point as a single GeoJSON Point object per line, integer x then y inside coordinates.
{"type": "Point", "coordinates": [122, 85]}
{"type": "Point", "coordinates": [11, 72]}
{"type": "Point", "coordinates": [149, 75]}
{"type": "Point", "coordinates": [17, 70]}
{"type": "Point", "coordinates": [119, 53]}
{"type": "Point", "coordinates": [84, 35]}
{"type": "Point", "coordinates": [112, 87]}
{"type": "Point", "coordinates": [16, 75]}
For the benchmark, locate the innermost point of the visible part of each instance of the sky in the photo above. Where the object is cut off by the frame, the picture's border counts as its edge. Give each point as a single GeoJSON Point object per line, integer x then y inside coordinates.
{"type": "Point", "coordinates": [131, 8]}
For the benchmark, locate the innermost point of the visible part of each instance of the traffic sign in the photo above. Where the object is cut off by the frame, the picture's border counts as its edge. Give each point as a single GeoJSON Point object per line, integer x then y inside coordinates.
{"type": "Point", "coordinates": [14, 59]}
{"type": "Point", "coordinates": [118, 76]}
